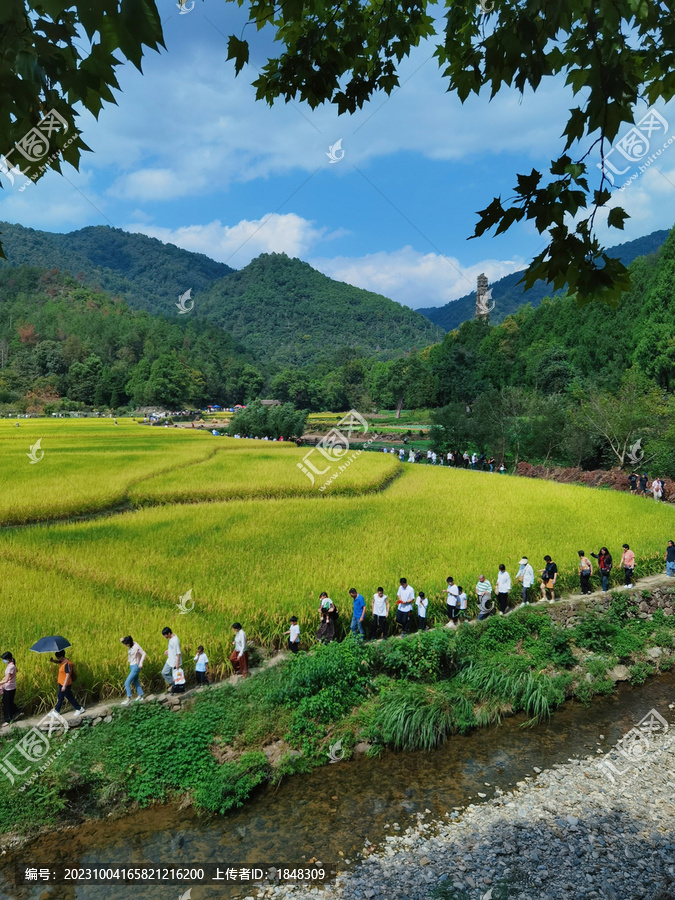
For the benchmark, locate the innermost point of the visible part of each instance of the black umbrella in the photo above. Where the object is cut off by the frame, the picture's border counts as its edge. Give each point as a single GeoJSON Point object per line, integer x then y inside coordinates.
{"type": "Point", "coordinates": [50, 644]}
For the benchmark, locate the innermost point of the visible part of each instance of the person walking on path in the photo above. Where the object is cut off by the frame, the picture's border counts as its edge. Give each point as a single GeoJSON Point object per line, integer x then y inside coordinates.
{"type": "Point", "coordinates": [422, 604]}
{"type": "Point", "coordinates": [201, 662]}
{"type": "Point", "coordinates": [585, 572]}
{"type": "Point", "coordinates": [633, 481]}
{"type": "Point", "coordinates": [463, 601]}
{"type": "Point", "coordinates": [484, 593]}
{"type": "Point", "coordinates": [358, 613]}
{"type": "Point", "coordinates": [66, 678]}
{"type": "Point", "coordinates": [657, 492]}
{"type": "Point", "coordinates": [405, 597]}
{"type": "Point", "coordinates": [327, 611]}
{"type": "Point", "coordinates": [173, 657]}
{"type": "Point", "coordinates": [503, 588]}
{"type": "Point", "coordinates": [605, 563]}
{"type": "Point", "coordinates": [643, 484]}
{"type": "Point", "coordinates": [8, 689]}
{"type": "Point", "coordinates": [136, 657]}
{"type": "Point", "coordinates": [670, 559]}
{"type": "Point", "coordinates": [380, 614]}
{"type": "Point", "coordinates": [628, 564]}
{"type": "Point", "coordinates": [549, 575]}
{"type": "Point", "coordinates": [526, 577]}
{"type": "Point", "coordinates": [293, 635]}
{"type": "Point", "coordinates": [239, 656]}
{"type": "Point", "coordinates": [452, 601]}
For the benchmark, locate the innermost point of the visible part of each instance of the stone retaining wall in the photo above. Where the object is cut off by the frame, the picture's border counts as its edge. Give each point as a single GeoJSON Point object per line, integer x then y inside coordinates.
{"type": "Point", "coordinates": [568, 612]}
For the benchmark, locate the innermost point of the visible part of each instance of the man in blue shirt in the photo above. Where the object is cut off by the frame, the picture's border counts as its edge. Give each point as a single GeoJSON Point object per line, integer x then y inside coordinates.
{"type": "Point", "coordinates": [359, 612]}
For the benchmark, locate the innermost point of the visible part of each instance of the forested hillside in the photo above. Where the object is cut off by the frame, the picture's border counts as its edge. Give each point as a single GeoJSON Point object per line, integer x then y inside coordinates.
{"type": "Point", "coordinates": [282, 310]}
{"type": "Point", "coordinates": [287, 313]}
{"type": "Point", "coordinates": [508, 294]}
{"type": "Point", "coordinates": [147, 273]}
{"type": "Point", "coordinates": [65, 346]}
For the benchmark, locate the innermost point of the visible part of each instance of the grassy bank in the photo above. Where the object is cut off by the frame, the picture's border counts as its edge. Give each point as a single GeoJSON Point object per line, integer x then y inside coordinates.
{"type": "Point", "coordinates": [408, 694]}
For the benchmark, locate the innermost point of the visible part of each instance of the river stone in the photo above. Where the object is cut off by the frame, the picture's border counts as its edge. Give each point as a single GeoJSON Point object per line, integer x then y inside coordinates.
{"type": "Point", "coordinates": [619, 673]}
{"type": "Point", "coordinates": [654, 652]}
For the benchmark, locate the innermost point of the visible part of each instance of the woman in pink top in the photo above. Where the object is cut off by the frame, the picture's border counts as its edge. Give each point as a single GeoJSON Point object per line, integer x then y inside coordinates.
{"type": "Point", "coordinates": [628, 563]}
{"type": "Point", "coordinates": [8, 688]}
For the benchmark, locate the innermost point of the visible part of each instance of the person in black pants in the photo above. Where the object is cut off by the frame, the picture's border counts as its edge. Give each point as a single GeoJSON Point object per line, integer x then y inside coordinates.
{"type": "Point", "coordinates": [380, 614]}
{"type": "Point", "coordinates": [8, 688]}
{"type": "Point", "coordinates": [585, 572]}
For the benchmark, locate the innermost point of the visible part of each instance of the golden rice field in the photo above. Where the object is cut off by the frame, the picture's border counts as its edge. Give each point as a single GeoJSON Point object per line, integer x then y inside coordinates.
{"type": "Point", "coordinates": [84, 465]}
{"type": "Point", "coordinates": [262, 560]}
{"type": "Point", "coordinates": [88, 465]}
{"type": "Point", "coordinates": [235, 472]}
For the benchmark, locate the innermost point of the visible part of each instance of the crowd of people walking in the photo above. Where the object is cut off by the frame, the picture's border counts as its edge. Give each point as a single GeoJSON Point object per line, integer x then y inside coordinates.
{"type": "Point", "coordinates": [491, 600]}
{"type": "Point", "coordinates": [406, 601]}
{"type": "Point", "coordinates": [452, 458]}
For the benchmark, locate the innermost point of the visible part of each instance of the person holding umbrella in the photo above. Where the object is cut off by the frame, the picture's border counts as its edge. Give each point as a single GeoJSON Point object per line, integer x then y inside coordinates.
{"type": "Point", "coordinates": [57, 645]}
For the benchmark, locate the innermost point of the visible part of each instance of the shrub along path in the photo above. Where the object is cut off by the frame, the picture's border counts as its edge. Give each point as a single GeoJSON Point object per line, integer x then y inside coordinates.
{"type": "Point", "coordinates": [102, 712]}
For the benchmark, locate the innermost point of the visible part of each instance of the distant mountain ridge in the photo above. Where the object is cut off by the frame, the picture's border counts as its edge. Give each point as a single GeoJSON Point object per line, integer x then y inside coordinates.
{"type": "Point", "coordinates": [280, 309]}
{"type": "Point", "coordinates": [508, 295]}
{"type": "Point", "coordinates": [148, 274]}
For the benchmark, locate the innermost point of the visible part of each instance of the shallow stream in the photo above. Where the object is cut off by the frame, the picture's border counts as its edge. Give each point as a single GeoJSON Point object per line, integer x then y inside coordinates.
{"type": "Point", "coordinates": [332, 813]}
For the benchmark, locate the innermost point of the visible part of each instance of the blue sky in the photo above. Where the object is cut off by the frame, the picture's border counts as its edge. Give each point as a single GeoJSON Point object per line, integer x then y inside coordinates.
{"type": "Point", "coordinates": [190, 157]}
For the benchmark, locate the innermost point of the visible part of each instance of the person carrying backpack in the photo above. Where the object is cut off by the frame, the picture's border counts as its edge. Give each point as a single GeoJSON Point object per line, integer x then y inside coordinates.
{"type": "Point", "coordinates": [66, 678]}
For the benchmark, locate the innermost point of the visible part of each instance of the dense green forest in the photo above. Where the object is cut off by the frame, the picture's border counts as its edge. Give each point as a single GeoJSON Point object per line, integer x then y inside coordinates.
{"type": "Point", "coordinates": [289, 314]}
{"type": "Point", "coordinates": [285, 312]}
{"type": "Point", "coordinates": [64, 346]}
{"type": "Point", "coordinates": [509, 296]}
{"type": "Point", "coordinates": [559, 383]}
{"type": "Point", "coordinates": [145, 272]}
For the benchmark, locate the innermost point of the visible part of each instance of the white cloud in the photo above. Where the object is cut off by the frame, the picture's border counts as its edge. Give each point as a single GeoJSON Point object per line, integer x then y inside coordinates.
{"type": "Point", "coordinates": [238, 244]}
{"type": "Point", "coordinates": [412, 278]}
{"type": "Point", "coordinates": [209, 131]}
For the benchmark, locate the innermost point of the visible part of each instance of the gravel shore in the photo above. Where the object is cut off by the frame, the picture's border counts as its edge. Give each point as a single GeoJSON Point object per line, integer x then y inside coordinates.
{"type": "Point", "coordinates": [579, 830]}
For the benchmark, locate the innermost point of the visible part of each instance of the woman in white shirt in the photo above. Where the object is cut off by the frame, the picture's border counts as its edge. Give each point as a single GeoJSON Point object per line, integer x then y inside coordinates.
{"type": "Point", "coordinates": [136, 657]}
{"type": "Point", "coordinates": [327, 612]}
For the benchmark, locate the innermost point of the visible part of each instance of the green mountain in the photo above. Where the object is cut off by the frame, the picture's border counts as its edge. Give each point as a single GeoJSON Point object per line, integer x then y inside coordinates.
{"type": "Point", "coordinates": [145, 272]}
{"type": "Point", "coordinates": [64, 346]}
{"type": "Point", "coordinates": [287, 313]}
{"type": "Point", "coordinates": [282, 310]}
{"type": "Point", "coordinates": [508, 294]}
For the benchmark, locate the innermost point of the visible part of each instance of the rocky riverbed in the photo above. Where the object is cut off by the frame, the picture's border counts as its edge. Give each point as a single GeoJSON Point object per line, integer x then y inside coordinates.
{"type": "Point", "coordinates": [595, 827]}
